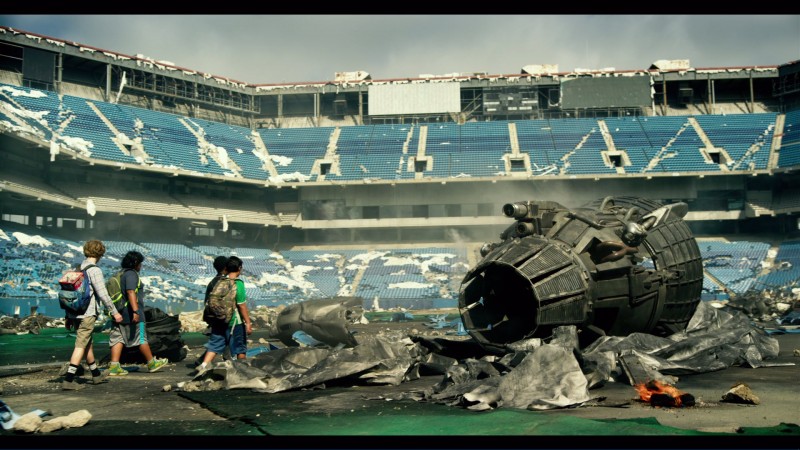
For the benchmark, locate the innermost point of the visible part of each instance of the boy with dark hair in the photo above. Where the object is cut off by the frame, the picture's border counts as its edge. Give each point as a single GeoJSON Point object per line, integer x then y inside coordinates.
{"type": "Point", "coordinates": [131, 331]}
{"type": "Point", "coordinates": [234, 333]}
{"type": "Point", "coordinates": [220, 264]}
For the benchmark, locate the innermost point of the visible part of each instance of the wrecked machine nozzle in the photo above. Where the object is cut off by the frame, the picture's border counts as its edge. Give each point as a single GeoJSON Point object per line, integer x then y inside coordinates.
{"type": "Point", "coordinates": [584, 267]}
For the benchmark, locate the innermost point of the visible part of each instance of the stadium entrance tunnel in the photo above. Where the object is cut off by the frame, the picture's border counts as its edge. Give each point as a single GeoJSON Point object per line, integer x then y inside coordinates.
{"type": "Point", "coordinates": [613, 267]}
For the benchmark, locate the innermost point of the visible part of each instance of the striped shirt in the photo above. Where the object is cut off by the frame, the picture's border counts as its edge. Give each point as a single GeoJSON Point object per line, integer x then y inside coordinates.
{"type": "Point", "coordinates": [98, 289]}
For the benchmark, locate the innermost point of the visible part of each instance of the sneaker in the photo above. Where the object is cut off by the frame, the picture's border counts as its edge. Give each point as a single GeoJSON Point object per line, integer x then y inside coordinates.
{"type": "Point", "coordinates": [116, 370]}
{"type": "Point", "coordinates": [70, 385]}
{"type": "Point", "coordinates": [102, 377]}
{"type": "Point", "coordinates": [64, 368]}
{"type": "Point", "coordinates": [156, 364]}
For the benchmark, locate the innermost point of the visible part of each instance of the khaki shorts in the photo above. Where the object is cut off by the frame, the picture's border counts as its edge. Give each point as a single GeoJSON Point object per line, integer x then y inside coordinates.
{"type": "Point", "coordinates": [129, 335]}
{"type": "Point", "coordinates": [83, 336]}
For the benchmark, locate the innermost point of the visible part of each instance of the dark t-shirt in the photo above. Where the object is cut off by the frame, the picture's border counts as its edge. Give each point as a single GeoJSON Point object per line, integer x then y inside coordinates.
{"type": "Point", "coordinates": [129, 281]}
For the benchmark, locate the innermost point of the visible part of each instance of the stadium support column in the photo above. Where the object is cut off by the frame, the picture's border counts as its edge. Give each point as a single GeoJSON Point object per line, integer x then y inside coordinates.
{"type": "Point", "coordinates": [108, 83]}
{"type": "Point", "coordinates": [316, 106]}
{"type": "Point", "coordinates": [280, 106]}
{"type": "Point", "coordinates": [360, 107]}
{"type": "Point", "coordinates": [752, 96]}
{"type": "Point", "coordinates": [713, 98]}
{"type": "Point", "coordinates": [664, 83]}
{"type": "Point", "coordinates": [59, 72]}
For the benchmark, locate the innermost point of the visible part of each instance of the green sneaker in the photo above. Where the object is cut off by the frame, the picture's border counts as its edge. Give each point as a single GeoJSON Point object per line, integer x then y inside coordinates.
{"type": "Point", "coordinates": [156, 364]}
{"type": "Point", "coordinates": [116, 371]}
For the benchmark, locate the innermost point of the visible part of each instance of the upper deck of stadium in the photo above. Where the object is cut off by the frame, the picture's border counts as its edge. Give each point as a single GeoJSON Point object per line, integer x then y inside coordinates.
{"type": "Point", "coordinates": [538, 91]}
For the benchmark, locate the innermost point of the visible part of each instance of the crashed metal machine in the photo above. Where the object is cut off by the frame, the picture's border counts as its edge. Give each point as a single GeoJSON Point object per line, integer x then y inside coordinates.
{"type": "Point", "coordinates": [615, 266]}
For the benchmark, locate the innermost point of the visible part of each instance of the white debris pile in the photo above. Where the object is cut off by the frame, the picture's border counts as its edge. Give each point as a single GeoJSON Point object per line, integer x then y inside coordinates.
{"type": "Point", "coordinates": [261, 316]}
{"type": "Point", "coordinates": [192, 322]}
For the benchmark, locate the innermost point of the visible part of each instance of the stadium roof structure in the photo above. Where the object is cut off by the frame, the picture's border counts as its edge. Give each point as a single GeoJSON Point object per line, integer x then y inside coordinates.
{"type": "Point", "coordinates": [143, 62]}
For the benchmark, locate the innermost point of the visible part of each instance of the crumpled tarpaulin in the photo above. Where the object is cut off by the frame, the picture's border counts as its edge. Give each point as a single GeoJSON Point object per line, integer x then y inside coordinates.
{"type": "Point", "coordinates": [538, 376]}
{"type": "Point", "coordinates": [533, 374]}
{"type": "Point", "coordinates": [714, 339]}
{"type": "Point", "coordinates": [375, 360]}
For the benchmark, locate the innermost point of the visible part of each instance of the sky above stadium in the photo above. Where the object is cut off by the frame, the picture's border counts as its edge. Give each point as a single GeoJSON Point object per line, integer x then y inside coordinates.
{"type": "Point", "coordinates": [266, 49]}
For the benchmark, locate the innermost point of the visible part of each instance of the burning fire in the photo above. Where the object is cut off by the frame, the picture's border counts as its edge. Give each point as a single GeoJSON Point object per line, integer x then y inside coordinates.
{"type": "Point", "coordinates": [660, 394]}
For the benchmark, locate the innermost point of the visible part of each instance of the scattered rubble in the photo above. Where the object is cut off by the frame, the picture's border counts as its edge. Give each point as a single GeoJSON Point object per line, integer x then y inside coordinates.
{"type": "Point", "coordinates": [28, 423]}
{"type": "Point", "coordinates": [28, 325]}
{"type": "Point", "coordinates": [261, 316]}
{"type": "Point", "coordinates": [535, 374]}
{"type": "Point", "coordinates": [741, 393]}
{"type": "Point", "coordinates": [76, 419]}
{"type": "Point", "coordinates": [33, 422]}
{"type": "Point", "coordinates": [768, 308]}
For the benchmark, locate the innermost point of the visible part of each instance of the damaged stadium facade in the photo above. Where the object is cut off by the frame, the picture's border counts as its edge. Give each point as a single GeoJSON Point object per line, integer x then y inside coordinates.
{"type": "Point", "coordinates": [588, 267]}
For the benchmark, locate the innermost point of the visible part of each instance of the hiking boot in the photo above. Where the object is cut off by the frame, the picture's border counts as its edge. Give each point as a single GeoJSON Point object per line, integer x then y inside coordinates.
{"type": "Point", "coordinates": [70, 385]}
{"type": "Point", "coordinates": [156, 364]}
{"type": "Point", "coordinates": [102, 377]}
{"type": "Point", "coordinates": [116, 371]}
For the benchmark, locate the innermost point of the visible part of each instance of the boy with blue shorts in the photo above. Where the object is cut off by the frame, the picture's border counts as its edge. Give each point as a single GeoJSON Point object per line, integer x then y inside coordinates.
{"type": "Point", "coordinates": [234, 333]}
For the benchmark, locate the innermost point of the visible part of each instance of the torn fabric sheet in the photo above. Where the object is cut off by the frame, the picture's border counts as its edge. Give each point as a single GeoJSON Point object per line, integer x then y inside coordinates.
{"type": "Point", "coordinates": [714, 339]}
{"type": "Point", "coordinates": [377, 360]}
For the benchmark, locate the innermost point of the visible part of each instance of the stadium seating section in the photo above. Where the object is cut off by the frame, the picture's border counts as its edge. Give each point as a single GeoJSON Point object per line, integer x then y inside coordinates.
{"type": "Point", "coordinates": [114, 132]}
{"type": "Point", "coordinates": [414, 278]}
{"type": "Point", "coordinates": [175, 274]}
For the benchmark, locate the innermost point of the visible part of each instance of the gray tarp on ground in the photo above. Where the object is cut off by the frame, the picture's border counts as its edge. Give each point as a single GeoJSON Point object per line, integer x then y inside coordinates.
{"type": "Point", "coordinates": [553, 376]}
{"type": "Point", "coordinates": [376, 359]}
{"type": "Point", "coordinates": [714, 339]}
{"type": "Point", "coordinates": [532, 375]}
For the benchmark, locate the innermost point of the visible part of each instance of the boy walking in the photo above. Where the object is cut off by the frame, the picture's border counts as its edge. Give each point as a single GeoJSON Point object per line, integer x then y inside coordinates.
{"type": "Point", "coordinates": [232, 334]}
{"type": "Point", "coordinates": [93, 250]}
{"type": "Point", "coordinates": [131, 331]}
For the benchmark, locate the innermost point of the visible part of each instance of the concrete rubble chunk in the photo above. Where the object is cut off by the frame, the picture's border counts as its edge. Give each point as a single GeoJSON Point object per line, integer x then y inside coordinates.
{"type": "Point", "coordinates": [76, 419]}
{"type": "Point", "coordinates": [741, 393]}
{"type": "Point", "coordinates": [28, 423]}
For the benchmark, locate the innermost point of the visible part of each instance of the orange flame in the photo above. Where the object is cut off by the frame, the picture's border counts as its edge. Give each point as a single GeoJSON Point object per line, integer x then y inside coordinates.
{"type": "Point", "coordinates": [647, 390]}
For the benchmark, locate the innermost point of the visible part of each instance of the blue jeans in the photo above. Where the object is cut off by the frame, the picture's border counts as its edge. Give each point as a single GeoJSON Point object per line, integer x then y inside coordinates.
{"type": "Point", "coordinates": [224, 336]}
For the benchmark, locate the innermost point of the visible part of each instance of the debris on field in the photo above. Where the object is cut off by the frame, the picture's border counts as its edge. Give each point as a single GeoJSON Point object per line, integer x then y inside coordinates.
{"type": "Point", "coordinates": [741, 393]}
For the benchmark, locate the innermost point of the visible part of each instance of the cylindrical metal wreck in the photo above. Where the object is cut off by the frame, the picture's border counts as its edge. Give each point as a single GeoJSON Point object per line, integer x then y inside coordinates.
{"type": "Point", "coordinates": [615, 266]}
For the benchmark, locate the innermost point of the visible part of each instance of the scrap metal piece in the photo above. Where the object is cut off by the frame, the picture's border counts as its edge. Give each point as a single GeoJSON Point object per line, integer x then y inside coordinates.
{"type": "Point", "coordinates": [634, 369]}
{"type": "Point", "coordinates": [326, 321]}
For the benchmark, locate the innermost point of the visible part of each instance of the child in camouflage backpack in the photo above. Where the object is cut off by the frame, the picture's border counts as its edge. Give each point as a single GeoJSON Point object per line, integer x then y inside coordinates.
{"type": "Point", "coordinates": [233, 334]}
